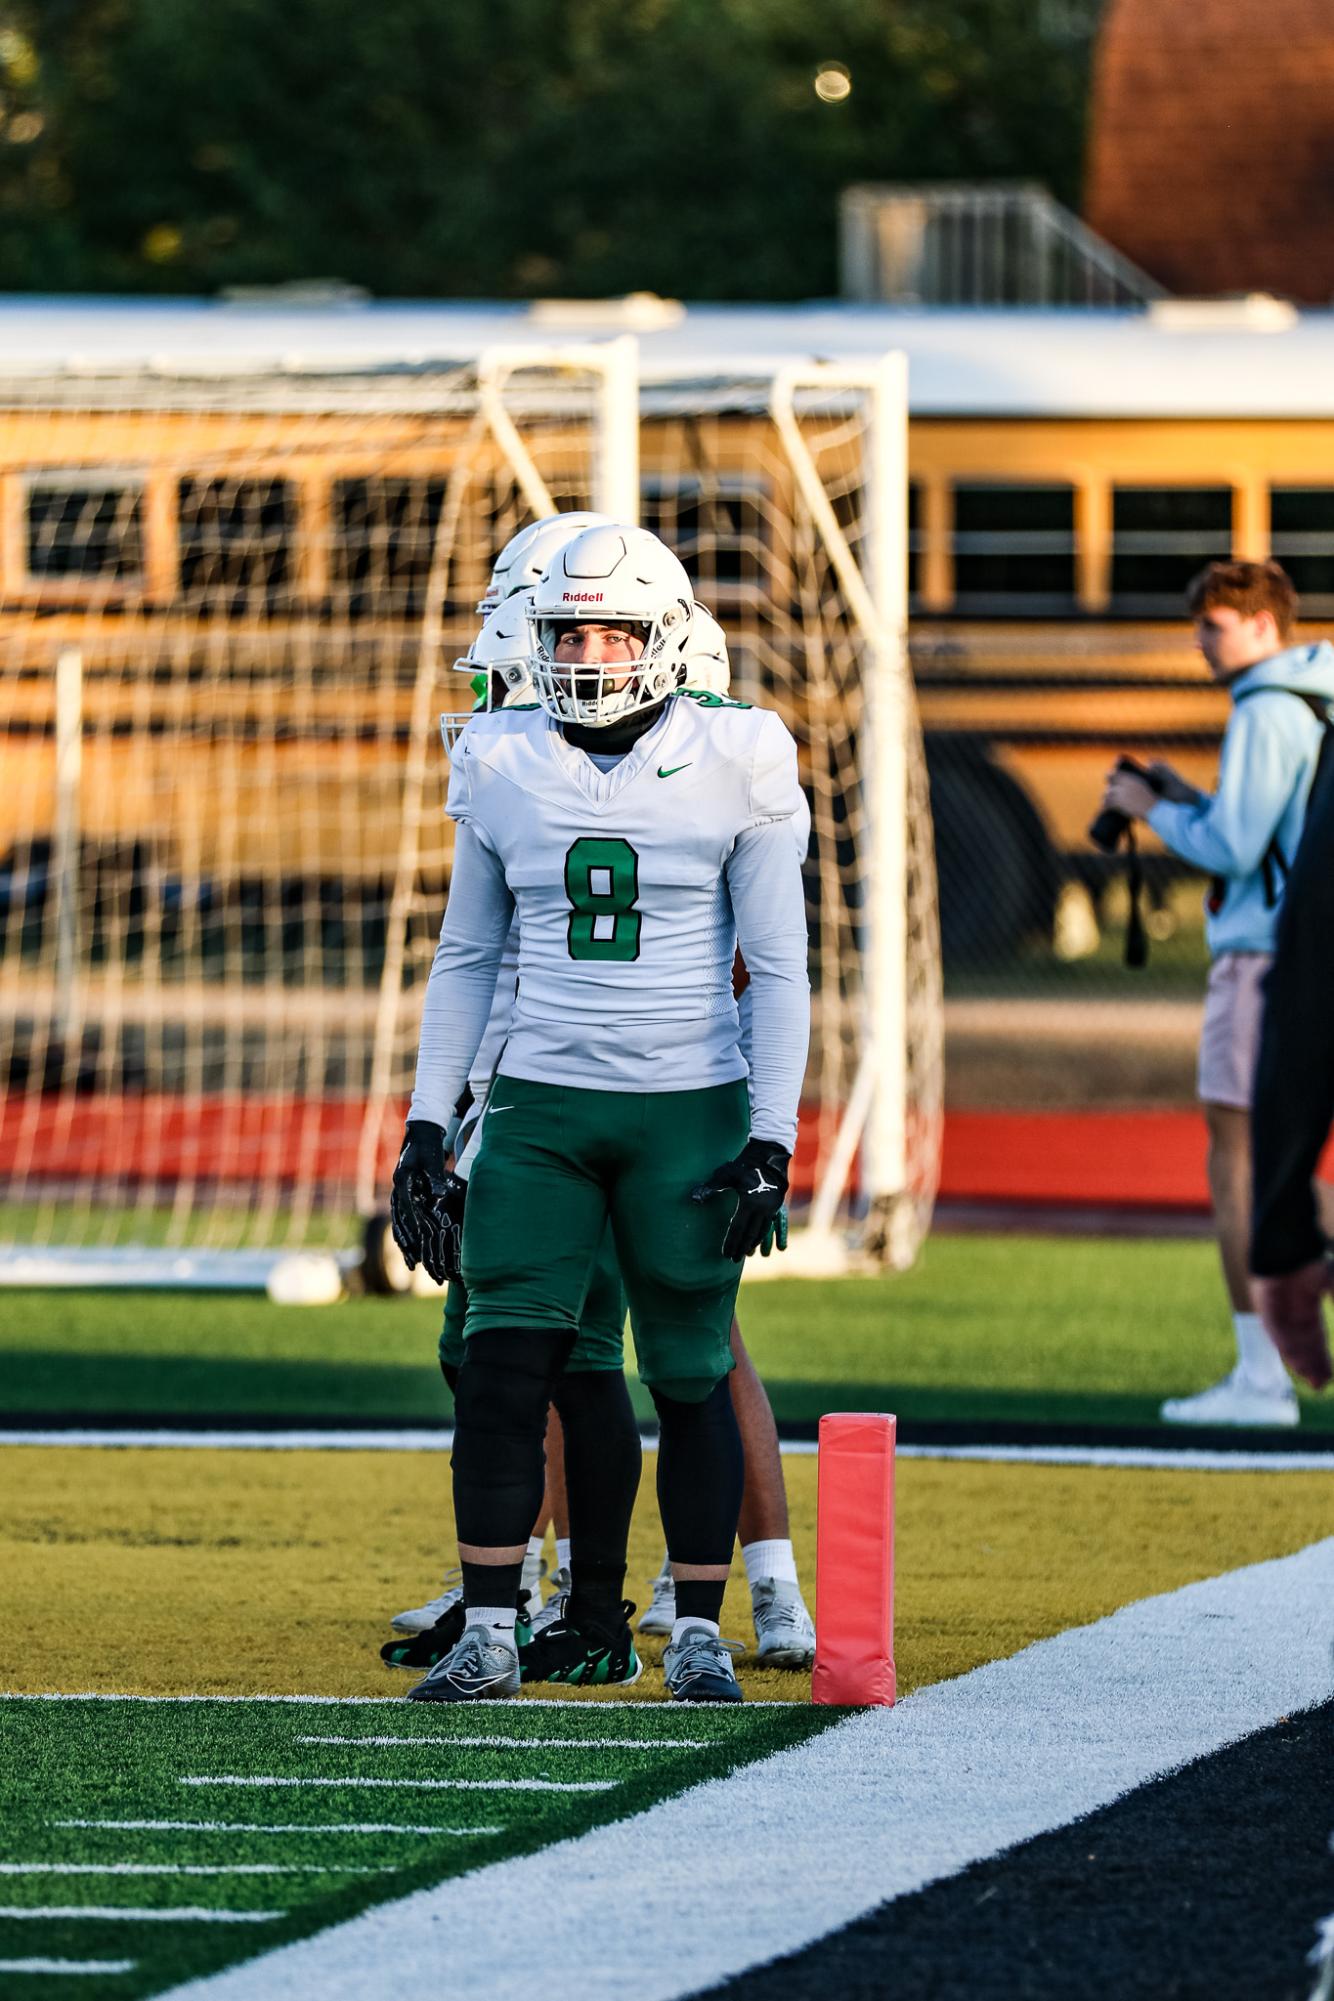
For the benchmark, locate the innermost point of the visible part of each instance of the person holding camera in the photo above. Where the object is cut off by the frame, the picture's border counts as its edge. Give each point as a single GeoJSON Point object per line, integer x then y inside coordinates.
{"type": "Point", "coordinates": [1244, 836]}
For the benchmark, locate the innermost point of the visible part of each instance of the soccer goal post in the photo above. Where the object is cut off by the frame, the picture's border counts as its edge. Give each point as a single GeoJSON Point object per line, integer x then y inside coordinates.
{"type": "Point", "coordinates": [230, 604]}
{"type": "Point", "coordinates": [786, 496]}
{"type": "Point", "coordinates": [229, 610]}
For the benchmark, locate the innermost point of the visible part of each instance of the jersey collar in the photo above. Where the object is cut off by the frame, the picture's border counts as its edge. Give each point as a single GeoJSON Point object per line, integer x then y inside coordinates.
{"type": "Point", "coordinates": [600, 788]}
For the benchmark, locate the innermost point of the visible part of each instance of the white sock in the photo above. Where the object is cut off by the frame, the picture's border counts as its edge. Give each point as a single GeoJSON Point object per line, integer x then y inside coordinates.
{"type": "Point", "coordinates": [562, 1552]}
{"type": "Point", "coordinates": [498, 1620]}
{"type": "Point", "coordinates": [684, 1626]}
{"type": "Point", "coordinates": [769, 1559]}
{"type": "Point", "coordinates": [1259, 1358]}
{"type": "Point", "coordinates": [531, 1573]}
{"type": "Point", "coordinates": [536, 1544]}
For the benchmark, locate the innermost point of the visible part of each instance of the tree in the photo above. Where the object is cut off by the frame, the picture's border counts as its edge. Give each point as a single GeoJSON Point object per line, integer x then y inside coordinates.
{"type": "Point", "coordinates": [500, 147]}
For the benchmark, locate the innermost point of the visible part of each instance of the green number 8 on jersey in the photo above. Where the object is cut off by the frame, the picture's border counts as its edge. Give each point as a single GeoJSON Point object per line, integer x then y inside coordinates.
{"type": "Point", "coordinates": [602, 883]}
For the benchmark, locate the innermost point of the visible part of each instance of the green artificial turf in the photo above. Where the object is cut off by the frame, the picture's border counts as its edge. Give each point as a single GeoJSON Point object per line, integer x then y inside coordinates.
{"type": "Point", "coordinates": [127, 1761]}
{"type": "Point", "coordinates": [1003, 1328]}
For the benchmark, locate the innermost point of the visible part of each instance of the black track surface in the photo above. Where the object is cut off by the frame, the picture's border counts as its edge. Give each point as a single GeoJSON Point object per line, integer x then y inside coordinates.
{"type": "Point", "coordinates": [1205, 1886]}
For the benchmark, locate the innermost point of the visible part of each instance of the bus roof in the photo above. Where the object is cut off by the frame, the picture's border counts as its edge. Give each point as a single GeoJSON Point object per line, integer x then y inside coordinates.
{"type": "Point", "coordinates": [1017, 363]}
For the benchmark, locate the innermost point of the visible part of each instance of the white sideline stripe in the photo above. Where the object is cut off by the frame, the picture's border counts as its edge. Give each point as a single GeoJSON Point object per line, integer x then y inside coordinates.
{"type": "Point", "coordinates": [185, 1869]}
{"type": "Point", "coordinates": [68, 1966]}
{"type": "Point", "coordinates": [524, 1743]}
{"type": "Point", "coordinates": [1173, 1458]}
{"type": "Point", "coordinates": [274, 1827]}
{"type": "Point", "coordinates": [191, 1914]}
{"type": "Point", "coordinates": [422, 1785]}
{"type": "Point", "coordinates": [871, 1809]}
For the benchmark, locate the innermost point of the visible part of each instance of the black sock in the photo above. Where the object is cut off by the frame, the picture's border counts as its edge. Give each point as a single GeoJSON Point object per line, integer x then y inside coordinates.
{"type": "Point", "coordinates": [700, 1598]}
{"type": "Point", "coordinates": [597, 1591]}
{"type": "Point", "coordinates": [491, 1583]}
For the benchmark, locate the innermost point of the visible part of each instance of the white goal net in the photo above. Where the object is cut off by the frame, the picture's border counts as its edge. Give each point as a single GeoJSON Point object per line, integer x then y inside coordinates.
{"type": "Point", "coordinates": [229, 614]}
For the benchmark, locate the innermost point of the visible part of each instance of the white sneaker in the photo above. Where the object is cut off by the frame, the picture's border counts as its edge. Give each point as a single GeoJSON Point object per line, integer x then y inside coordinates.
{"type": "Point", "coordinates": [1236, 1400]}
{"type": "Point", "coordinates": [661, 1614]}
{"type": "Point", "coordinates": [554, 1608]}
{"type": "Point", "coordinates": [421, 1618]}
{"type": "Point", "coordinates": [783, 1627]}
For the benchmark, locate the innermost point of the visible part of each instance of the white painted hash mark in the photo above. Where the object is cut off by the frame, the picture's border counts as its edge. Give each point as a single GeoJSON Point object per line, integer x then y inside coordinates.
{"type": "Point", "coordinates": [422, 1785]}
{"type": "Point", "coordinates": [525, 1743]}
{"type": "Point", "coordinates": [191, 1914]}
{"type": "Point", "coordinates": [189, 1869]}
{"type": "Point", "coordinates": [871, 1809]}
{"type": "Point", "coordinates": [274, 1827]}
{"type": "Point", "coordinates": [68, 1966]}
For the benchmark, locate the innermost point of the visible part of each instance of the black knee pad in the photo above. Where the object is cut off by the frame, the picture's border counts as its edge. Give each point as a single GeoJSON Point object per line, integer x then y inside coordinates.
{"type": "Point", "coordinates": [505, 1383]}
{"type": "Point", "coordinates": [500, 1417]}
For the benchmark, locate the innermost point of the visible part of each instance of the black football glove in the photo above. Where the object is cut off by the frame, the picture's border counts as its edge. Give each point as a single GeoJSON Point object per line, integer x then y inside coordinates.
{"type": "Point", "coordinates": [759, 1176]}
{"type": "Point", "coordinates": [426, 1203]}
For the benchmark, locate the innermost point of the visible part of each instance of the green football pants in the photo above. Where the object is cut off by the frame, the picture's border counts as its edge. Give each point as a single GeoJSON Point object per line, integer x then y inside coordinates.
{"type": "Point", "coordinates": [556, 1164]}
{"type": "Point", "coordinates": [600, 1343]}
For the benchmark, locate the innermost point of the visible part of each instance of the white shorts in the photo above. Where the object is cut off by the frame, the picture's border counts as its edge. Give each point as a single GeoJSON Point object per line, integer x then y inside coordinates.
{"type": "Point", "coordinates": [1230, 1036]}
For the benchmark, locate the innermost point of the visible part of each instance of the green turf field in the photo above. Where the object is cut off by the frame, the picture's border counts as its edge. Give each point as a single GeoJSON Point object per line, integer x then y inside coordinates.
{"type": "Point", "coordinates": [202, 1832]}
{"type": "Point", "coordinates": [1009, 1329]}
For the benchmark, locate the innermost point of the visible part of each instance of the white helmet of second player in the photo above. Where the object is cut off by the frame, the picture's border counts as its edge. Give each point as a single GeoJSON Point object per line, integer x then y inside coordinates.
{"type": "Point", "coordinates": [498, 663]}
{"type": "Point", "coordinates": [525, 556]}
{"type": "Point", "coordinates": [612, 576]}
{"type": "Point", "coordinates": [708, 667]}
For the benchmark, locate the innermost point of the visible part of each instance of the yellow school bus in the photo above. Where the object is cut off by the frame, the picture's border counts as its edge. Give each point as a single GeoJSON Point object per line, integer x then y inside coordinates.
{"type": "Point", "coordinates": [247, 584]}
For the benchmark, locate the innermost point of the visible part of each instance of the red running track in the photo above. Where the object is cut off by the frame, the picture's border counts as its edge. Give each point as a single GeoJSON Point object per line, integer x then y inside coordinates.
{"type": "Point", "coordinates": [1096, 1159]}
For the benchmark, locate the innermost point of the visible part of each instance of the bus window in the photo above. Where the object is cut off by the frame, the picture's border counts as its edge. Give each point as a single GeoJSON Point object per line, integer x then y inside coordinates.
{"type": "Point", "coordinates": [914, 542]}
{"type": "Point", "coordinates": [236, 541]}
{"type": "Point", "coordinates": [80, 529]}
{"type": "Point", "coordinates": [716, 526]}
{"type": "Point", "coordinates": [1014, 548]}
{"type": "Point", "coordinates": [1302, 539]}
{"type": "Point", "coordinates": [383, 539]}
{"type": "Point", "coordinates": [1161, 537]}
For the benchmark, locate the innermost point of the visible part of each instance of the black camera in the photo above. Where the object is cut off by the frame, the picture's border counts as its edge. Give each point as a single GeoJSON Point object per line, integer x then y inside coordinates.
{"type": "Point", "coordinates": [1110, 828]}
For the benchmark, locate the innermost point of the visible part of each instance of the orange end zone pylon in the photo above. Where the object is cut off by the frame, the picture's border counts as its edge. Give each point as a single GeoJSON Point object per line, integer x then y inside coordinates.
{"type": "Point", "coordinates": [854, 1560]}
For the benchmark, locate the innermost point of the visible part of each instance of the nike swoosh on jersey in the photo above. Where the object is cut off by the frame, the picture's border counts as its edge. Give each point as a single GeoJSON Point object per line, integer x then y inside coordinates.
{"type": "Point", "coordinates": [672, 769]}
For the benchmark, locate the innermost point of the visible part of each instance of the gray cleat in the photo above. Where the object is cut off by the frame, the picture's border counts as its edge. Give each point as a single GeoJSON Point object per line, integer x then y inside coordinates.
{"type": "Point", "coordinates": [783, 1626]}
{"type": "Point", "coordinates": [698, 1668]}
{"type": "Point", "coordinates": [479, 1669]}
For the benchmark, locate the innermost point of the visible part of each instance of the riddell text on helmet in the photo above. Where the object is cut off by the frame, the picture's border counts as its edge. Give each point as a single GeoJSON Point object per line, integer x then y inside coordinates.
{"type": "Point", "coordinates": [582, 597]}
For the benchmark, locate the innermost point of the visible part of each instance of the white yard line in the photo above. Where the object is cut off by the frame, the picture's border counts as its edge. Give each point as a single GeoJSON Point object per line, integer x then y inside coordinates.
{"type": "Point", "coordinates": [1171, 1458]}
{"type": "Point", "coordinates": [190, 1914]}
{"type": "Point", "coordinates": [69, 1967]}
{"type": "Point", "coordinates": [271, 1827]}
{"type": "Point", "coordinates": [809, 1839]}
{"type": "Point", "coordinates": [419, 1785]}
{"type": "Point", "coordinates": [526, 1743]}
{"type": "Point", "coordinates": [188, 1869]}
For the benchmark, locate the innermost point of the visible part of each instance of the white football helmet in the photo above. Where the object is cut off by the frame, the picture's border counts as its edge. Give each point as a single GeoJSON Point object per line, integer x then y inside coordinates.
{"type": "Point", "coordinates": [707, 665]}
{"type": "Point", "coordinates": [611, 576]}
{"type": "Point", "coordinates": [525, 556]}
{"type": "Point", "coordinates": [497, 660]}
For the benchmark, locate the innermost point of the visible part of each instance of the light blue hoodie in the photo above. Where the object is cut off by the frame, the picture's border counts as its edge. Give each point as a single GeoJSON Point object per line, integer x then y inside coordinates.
{"type": "Point", "coordinates": [1268, 760]}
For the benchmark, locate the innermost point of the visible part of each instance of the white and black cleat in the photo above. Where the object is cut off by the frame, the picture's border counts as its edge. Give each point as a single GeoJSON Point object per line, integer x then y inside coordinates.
{"type": "Point", "coordinates": [483, 1667]}
{"type": "Point", "coordinates": [698, 1668]}
{"type": "Point", "coordinates": [660, 1615]}
{"type": "Point", "coordinates": [420, 1618]}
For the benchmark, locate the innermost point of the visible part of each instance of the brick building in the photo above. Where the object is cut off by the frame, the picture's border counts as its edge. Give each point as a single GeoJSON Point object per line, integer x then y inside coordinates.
{"type": "Point", "coordinates": [1211, 155]}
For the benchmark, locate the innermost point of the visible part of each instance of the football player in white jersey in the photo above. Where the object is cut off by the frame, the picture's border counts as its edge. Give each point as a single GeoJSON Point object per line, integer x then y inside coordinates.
{"type": "Point", "coordinates": [785, 1633]}
{"type": "Point", "coordinates": [639, 838]}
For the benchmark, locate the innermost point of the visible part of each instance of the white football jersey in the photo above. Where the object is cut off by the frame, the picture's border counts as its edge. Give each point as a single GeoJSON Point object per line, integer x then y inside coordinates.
{"type": "Point", "coordinates": [626, 929]}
